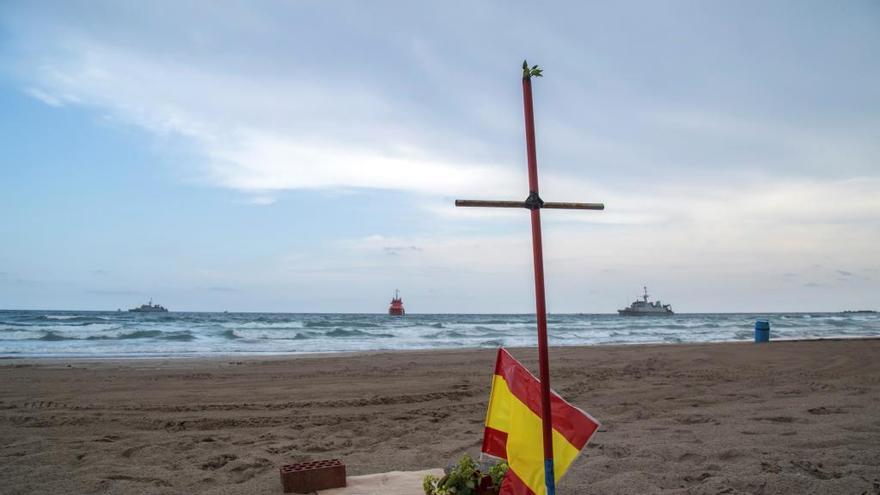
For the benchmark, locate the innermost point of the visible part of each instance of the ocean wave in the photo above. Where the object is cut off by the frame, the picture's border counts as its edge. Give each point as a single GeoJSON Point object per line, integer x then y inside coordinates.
{"type": "Point", "coordinates": [13, 325]}
{"type": "Point", "coordinates": [837, 322]}
{"type": "Point", "coordinates": [667, 326]}
{"type": "Point", "coordinates": [137, 334]}
{"type": "Point", "coordinates": [52, 337]}
{"type": "Point", "coordinates": [486, 329]}
{"type": "Point", "coordinates": [180, 336]}
{"type": "Point", "coordinates": [297, 336]}
{"type": "Point", "coordinates": [27, 320]}
{"type": "Point", "coordinates": [448, 334]}
{"type": "Point", "coordinates": [78, 322]}
{"type": "Point", "coordinates": [254, 335]}
{"type": "Point", "coordinates": [87, 328]}
{"type": "Point", "coordinates": [337, 323]}
{"type": "Point", "coordinates": [73, 318]}
{"type": "Point", "coordinates": [498, 322]}
{"type": "Point", "coordinates": [263, 325]}
{"type": "Point", "coordinates": [19, 334]}
{"type": "Point", "coordinates": [340, 332]}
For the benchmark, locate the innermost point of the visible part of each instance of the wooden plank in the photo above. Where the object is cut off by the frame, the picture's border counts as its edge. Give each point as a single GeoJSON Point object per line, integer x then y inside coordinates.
{"type": "Point", "coordinates": [522, 204]}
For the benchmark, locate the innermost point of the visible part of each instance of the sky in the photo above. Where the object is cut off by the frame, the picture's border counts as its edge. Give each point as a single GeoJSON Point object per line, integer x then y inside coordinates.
{"type": "Point", "coordinates": [304, 156]}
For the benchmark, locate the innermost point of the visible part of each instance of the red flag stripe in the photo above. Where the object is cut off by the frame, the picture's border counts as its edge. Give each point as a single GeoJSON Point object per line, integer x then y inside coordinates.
{"type": "Point", "coordinates": [512, 485]}
{"type": "Point", "coordinates": [495, 443]}
{"type": "Point", "coordinates": [572, 423]}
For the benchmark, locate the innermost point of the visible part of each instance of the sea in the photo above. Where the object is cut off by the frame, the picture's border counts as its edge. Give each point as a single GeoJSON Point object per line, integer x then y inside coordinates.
{"type": "Point", "coordinates": [92, 334]}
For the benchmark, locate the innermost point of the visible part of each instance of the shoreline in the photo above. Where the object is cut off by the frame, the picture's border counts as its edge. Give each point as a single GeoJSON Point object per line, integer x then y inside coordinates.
{"type": "Point", "coordinates": [245, 355]}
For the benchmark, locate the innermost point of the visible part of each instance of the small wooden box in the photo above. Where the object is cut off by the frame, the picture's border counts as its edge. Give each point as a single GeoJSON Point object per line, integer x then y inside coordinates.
{"type": "Point", "coordinates": [308, 477]}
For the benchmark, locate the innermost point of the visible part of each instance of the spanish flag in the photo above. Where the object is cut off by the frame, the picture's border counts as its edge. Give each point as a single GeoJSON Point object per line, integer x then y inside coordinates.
{"type": "Point", "coordinates": [513, 428]}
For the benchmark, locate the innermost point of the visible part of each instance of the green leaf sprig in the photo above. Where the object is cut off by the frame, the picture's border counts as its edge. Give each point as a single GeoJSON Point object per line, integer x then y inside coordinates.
{"type": "Point", "coordinates": [533, 71]}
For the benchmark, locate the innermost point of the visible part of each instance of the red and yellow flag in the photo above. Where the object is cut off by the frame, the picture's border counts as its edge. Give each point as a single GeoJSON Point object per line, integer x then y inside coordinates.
{"type": "Point", "coordinates": [513, 428]}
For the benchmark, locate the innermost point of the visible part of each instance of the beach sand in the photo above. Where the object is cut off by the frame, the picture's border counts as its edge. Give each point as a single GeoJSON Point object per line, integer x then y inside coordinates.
{"type": "Point", "coordinates": [788, 417]}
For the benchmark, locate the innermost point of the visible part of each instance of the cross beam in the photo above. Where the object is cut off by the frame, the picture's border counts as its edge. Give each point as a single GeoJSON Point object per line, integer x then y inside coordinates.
{"type": "Point", "coordinates": [525, 204]}
{"type": "Point", "coordinates": [535, 204]}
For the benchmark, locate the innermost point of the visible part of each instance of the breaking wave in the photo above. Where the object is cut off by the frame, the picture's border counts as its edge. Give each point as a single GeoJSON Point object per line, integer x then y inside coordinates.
{"type": "Point", "coordinates": [341, 332]}
{"type": "Point", "coordinates": [336, 323]}
{"type": "Point", "coordinates": [180, 336]}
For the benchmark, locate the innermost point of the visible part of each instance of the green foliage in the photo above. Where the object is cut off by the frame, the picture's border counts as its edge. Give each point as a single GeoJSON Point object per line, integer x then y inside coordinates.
{"type": "Point", "coordinates": [497, 473]}
{"type": "Point", "coordinates": [534, 71]}
{"type": "Point", "coordinates": [430, 484]}
{"type": "Point", "coordinates": [464, 479]}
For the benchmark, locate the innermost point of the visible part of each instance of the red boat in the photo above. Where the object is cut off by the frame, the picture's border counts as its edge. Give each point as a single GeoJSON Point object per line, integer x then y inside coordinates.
{"type": "Point", "coordinates": [396, 308]}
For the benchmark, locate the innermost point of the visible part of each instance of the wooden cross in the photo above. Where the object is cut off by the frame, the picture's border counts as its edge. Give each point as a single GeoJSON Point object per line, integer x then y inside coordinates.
{"type": "Point", "coordinates": [534, 203]}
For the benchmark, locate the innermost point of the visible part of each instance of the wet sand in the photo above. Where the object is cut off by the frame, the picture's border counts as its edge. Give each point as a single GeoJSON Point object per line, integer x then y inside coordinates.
{"type": "Point", "coordinates": [788, 417]}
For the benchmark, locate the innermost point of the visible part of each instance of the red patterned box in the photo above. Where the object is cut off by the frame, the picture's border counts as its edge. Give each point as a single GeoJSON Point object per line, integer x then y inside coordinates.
{"type": "Point", "coordinates": [308, 477]}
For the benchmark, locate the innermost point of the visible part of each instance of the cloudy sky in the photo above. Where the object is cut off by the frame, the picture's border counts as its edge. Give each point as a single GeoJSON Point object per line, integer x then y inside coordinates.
{"type": "Point", "coordinates": [304, 155]}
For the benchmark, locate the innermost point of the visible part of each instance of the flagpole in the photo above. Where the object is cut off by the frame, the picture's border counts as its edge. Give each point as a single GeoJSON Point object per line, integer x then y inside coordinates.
{"type": "Point", "coordinates": [534, 203]}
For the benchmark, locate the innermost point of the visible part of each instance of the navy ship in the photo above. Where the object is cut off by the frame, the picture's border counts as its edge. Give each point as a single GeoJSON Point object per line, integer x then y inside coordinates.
{"type": "Point", "coordinates": [644, 308]}
{"type": "Point", "coordinates": [149, 308]}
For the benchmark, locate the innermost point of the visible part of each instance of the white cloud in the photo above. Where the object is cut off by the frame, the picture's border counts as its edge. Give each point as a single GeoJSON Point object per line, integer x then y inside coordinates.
{"type": "Point", "coordinates": [261, 161]}
{"type": "Point", "coordinates": [47, 98]}
{"type": "Point", "coordinates": [259, 135]}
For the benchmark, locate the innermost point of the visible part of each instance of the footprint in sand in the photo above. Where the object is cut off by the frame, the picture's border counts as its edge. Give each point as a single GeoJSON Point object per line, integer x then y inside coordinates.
{"type": "Point", "coordinates": [218, 462]}
{"type": "Point", "coordinates": [107, 439]}
{"type": "Point", "coordinates": [697, 479]}
{"type": "Point", "coordinates": [694, 419]}
{"type": "Point", "coordinates": [617, 452]}
{"type": "Point", "coordinates": [815, 470]}
{"type": "Point", "coordinates": [245, 472]}
{"type": "Point", "coordinates": [138, 479]}
{"type": "Point", "coordinates": [127, 453]}
{"type": "Point", "coordinates": [780, 419]}
{"type": "Point", "coordinates": [826, 410]}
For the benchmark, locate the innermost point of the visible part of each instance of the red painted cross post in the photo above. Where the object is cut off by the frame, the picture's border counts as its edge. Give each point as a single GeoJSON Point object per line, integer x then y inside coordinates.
{"type": "Point", "coordinates": [534, 203]}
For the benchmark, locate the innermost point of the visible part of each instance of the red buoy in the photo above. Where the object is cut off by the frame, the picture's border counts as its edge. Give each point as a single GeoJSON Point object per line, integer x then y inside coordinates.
{"type": "Point", "coordinates": [396, 308]}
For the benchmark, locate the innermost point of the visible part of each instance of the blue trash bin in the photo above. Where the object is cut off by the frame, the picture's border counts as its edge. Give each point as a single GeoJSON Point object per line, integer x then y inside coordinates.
{"type": "Point", "coordinates": [762, 331]}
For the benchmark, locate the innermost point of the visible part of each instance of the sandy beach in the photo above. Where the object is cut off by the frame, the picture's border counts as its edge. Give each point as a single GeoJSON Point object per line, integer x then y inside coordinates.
{"type": "Point", "coordinates": [788, 417]}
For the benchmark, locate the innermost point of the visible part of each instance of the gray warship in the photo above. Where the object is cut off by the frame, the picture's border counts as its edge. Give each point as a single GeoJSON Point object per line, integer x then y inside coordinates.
{"type": "Point", "coordinates": [644, 308]}
{"type": "Point", "coordinates": [149, 308]}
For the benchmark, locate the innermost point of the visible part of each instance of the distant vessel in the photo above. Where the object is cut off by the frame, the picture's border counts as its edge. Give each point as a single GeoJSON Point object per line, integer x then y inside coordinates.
{"type": "Point", "coordinates": [149, 308]}
{"type": "Point", "coordinates": [645, 308]}
{"type": "Point", "coordinates": [396, 308]}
